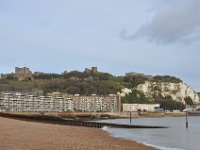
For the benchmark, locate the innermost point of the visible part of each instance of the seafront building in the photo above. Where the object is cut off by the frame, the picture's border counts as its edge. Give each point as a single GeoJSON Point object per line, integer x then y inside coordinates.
{"type": "Point", "coordinates": [17, 102]}
{"type": "Point", "coordinates": [141, 107]}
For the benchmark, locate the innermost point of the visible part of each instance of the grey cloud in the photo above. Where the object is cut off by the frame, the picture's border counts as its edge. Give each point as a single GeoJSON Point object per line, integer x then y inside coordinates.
{"type": "Point", "coordinates": [177, 21]}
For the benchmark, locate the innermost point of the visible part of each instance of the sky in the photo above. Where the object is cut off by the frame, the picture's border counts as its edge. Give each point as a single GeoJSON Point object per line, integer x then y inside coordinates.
{"type": "Point", "coordinates": [157, 37]}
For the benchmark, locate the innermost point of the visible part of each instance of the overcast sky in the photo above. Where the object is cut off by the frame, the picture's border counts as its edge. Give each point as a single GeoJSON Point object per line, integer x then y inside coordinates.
{"type": "Point", "coordinates": [154, 37]}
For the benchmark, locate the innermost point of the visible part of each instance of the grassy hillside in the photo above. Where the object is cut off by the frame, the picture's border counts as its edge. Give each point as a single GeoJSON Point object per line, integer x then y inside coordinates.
{"type": "Point", "coordinates": [82, 83]}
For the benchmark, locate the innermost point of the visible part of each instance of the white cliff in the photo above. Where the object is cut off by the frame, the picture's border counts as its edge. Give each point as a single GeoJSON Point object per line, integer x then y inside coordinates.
{"type": "Point", "coordinates": [125, 92]}
{"type": "Point", "coordinates": [177, 91]}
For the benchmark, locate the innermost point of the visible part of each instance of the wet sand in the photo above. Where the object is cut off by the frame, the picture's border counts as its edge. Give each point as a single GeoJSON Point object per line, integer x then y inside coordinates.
{"type": "Point", "coordinates": [22, 135]}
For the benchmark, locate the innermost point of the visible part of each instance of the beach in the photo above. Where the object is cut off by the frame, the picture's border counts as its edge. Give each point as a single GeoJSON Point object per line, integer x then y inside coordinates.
{"type": "Point", "coordinates": [23, 135]}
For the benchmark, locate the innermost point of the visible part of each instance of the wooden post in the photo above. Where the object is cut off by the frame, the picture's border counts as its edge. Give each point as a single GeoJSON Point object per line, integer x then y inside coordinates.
{"type": "Point", "coordinates": [186, 115]}
{"type": "Point", "coordinates": [130, 115]}
{"type": "Point", "coordinates": [186, 119]}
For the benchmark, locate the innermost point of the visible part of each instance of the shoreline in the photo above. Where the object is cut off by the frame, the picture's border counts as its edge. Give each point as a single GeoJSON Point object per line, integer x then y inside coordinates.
{"type": "Point", "coordinates": [135, 141]}
{"type": "Point", "coordinates": [21, 135]}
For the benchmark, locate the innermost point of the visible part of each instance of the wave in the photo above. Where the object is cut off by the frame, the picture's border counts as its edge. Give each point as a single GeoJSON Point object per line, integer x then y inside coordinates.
{"type": "Point", "coordinates": [106, 128]}
{"type": "Point", "coordinates": [160, 147]}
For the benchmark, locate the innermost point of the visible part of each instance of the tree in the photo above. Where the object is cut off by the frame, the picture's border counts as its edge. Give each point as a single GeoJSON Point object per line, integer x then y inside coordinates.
{"type": "Point", "coordinates": [170, 104]}
{"type": "Point", "coordinates": [3, 81]}
{"type": "Point", "coordinates": [166, 78]}
{"type": "Point", "coordinates": [136, 96]}
{"type": "Point", "coordinates": [10, 77]}
{"type": "Point", "coordinates": [134, 80]}
{"type": "Point", "coordinates": [188, 100]}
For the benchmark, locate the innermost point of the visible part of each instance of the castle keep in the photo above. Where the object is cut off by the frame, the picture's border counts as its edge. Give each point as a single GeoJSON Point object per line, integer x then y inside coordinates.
{"type": "Point", "coordinates": [23, 74]}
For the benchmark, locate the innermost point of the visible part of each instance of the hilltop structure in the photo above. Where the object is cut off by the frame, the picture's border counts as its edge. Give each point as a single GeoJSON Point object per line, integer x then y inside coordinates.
{"type": "Point", "coordinates": [23, 74]}
{"type": "Point", "coordinates": [2, 76]}
{"type": "Point", "coordinates": [92, 70]}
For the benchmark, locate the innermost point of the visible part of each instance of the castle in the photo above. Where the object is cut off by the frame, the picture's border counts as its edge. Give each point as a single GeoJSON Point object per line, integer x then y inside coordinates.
{"type": "Point", "coordinates": [23, 74]}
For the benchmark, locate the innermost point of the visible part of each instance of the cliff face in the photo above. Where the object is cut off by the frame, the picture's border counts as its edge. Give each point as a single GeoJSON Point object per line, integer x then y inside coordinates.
{"type": "Point", "coordinates": [177, 91]}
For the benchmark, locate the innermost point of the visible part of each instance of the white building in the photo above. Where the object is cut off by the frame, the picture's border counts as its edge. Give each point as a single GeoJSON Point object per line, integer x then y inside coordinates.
{"type": "Point", "coordinates": [142, 107]}
{"type": "Point", "coordinates": [16, 102]}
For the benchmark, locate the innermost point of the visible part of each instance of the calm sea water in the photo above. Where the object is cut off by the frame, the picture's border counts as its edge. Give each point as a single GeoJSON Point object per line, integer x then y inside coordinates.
{"type": "Point", "coordinates": [176, 137]}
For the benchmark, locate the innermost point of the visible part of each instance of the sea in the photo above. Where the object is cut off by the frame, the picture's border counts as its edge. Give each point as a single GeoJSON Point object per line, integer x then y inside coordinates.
{"type": "Point", "coordinates": [175, 137]}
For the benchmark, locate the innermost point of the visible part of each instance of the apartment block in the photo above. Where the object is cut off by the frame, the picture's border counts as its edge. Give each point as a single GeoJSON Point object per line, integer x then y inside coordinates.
{"type": "Point", "coordinates": [16, 102]}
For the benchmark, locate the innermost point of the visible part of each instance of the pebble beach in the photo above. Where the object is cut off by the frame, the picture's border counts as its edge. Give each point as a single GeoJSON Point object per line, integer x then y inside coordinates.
{"type": "Point", "coordinates": [22, 135]}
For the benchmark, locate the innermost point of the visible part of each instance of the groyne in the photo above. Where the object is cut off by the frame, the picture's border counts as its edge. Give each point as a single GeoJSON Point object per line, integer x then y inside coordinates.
{"type": "Point", "coordinates": [62, 121]}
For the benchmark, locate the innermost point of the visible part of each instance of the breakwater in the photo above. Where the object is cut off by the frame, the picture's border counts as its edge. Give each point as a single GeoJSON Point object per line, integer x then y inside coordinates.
{"type": "Point", "coordinates": [62, 121]}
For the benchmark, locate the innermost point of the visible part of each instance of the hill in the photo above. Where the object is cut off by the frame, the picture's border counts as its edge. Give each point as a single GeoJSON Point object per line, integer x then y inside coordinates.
{"type": "Point", "coordinates": [134, 87]}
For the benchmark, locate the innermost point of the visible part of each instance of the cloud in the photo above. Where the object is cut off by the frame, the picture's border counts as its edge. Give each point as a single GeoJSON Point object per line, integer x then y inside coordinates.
{"type": "Point", "coordinates": [174, 21]}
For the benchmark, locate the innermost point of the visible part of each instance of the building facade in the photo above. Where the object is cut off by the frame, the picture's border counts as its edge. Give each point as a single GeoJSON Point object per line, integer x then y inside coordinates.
{"type": "Point", "coordinates": [23, 74]}
{"type": "Point", "coordinates": [92, 70]}
{"type": "Point", "coordinates": [94, 103]}
{"type": "Point", "coordinates": [141, 107]}
{"type": "Point", "coordinates": [3, 76]}
{"type": "Point", "coordinates": [10, 102]}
